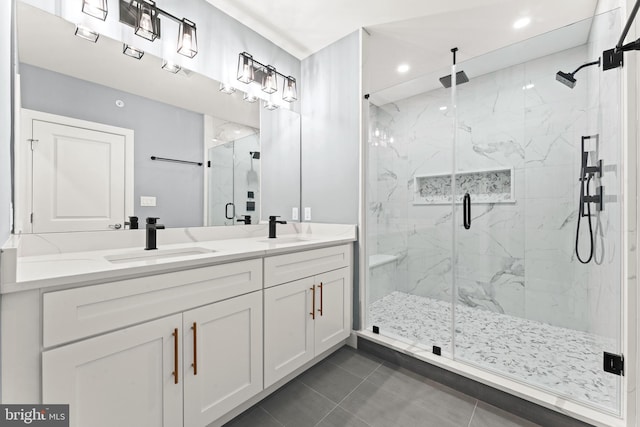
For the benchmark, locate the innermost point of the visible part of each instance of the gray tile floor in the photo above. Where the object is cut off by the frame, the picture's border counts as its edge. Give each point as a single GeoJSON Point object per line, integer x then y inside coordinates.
{"type": "Point", "coordinates": [354, 389]}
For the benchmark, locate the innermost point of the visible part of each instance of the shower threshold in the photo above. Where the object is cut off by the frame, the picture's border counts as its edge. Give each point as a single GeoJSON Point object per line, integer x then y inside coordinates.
{"type": "Point", "coordinates": [564, 361]}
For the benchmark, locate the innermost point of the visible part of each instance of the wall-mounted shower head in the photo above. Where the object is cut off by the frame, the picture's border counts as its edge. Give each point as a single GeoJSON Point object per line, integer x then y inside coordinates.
{"type": "Point", "coordinates": [254, 154]}
{"type": "Point", "coordinates": [568, 79]}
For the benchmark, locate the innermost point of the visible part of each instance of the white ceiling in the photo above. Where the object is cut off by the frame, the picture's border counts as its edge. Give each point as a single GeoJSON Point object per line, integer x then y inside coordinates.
{"type": "Point", "coordinates": [417, 32]}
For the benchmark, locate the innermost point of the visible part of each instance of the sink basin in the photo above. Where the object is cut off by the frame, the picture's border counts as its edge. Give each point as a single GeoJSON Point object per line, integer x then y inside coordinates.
{"type": "Point", "coordinates": [283, 240]}
{"type": "Point", "coordinates": [142, 255]}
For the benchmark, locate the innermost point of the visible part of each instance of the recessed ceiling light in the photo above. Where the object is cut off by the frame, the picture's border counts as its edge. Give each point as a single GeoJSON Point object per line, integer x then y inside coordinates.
{"type": "Point", "coordinates": [528, 86]}
{"type": "Point", "coordinates": [522, 22]}
{"type": "Point", "coordinates": [403, 68]}
{"type": "Point", "coordinates": [443, 108]}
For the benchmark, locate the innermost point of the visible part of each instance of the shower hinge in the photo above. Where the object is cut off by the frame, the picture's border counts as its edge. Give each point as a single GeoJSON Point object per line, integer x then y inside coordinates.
{"type": "Point", "coordinates": [376, 330]}
{"type": "Point", "coordinates": [614, 363]}
{"type": "Point", "coordinates": [437, 350]}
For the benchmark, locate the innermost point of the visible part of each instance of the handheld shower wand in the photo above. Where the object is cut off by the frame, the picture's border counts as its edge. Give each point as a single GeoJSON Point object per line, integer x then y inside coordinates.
{"type": "Point", "coordinates": [586, 175]}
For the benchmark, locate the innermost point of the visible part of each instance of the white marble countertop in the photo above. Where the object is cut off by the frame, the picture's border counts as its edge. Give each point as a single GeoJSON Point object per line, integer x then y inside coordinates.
{"type": "Point", "coordinates": [76, 259]}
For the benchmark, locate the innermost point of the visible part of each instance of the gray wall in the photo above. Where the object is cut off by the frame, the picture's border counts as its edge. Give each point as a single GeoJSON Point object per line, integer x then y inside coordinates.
{"type": "Point", "coordinates": [331, 139]}
{"type": "Point", "coordinates": [330, 132]}
{"type": "Point", "coordinates": [160, 130]}
{"type": "Point", "coordinates": [5, 119]}
{"type": "Point", "coordinates": [280, 162]}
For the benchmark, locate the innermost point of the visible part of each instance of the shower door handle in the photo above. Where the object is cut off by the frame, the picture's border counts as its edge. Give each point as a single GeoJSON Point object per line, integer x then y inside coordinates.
{"type": "Point", "coordinates": [226, 211]}
{"type": "Point", "coordinates": [466, 211]}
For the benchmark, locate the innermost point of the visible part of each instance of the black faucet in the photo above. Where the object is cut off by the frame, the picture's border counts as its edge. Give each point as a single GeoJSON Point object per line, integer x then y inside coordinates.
{"type": "Point", "coordinates": [152, 226]}
{"type": "Point", "coordinates": [272, 226]}
{"type": "Point", "coordinates": [246, 219]}
{"type": "Point", "coordinates": [132, 223]}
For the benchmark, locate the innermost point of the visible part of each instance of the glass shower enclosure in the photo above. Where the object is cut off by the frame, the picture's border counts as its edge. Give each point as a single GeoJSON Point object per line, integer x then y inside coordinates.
{"type": "Point", "coordinates": [483, 199]}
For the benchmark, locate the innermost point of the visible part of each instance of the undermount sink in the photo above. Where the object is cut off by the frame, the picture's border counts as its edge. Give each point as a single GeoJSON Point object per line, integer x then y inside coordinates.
{"type": "Point", "coordinates": [283, 240]}
{"type": "Point", "coordinates": [142, 255]}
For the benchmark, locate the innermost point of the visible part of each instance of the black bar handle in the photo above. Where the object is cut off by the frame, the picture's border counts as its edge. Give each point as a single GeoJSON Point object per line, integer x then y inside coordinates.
{"type": "Point", "coordinates": [226, 211]}
{"type": "Point", "coordinates": [466, 211]}
{"type": "Point", "coordinates": [187, 162]}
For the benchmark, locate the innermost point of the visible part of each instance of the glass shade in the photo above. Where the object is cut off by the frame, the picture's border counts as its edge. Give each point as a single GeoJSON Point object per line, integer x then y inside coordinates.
{"type": "Point", "coordinates": [269, 80]}
{"type": "Point", "coordinates": [270, 105]}
{"type": "Point", "coordinates": [131, 51]}
{"type": "Point", "coordinates": [146, 20]}
{"type": "Point", "coordinates": [187, 39]}
{"type": "Point", "coordinates": [96, 8]}
{"type": "Point", "coordinates": [290, 90]}
{"type": "Point", "coordinates": [227, 88]}
{"type": "Point", "coordinates": [250, 97]}
{"type": "Point", "coordinates": [171, 67]}
{"type": "Point", "coordinates": [245, 68]}
{"type": "Point", "coordinates": [86, 33]}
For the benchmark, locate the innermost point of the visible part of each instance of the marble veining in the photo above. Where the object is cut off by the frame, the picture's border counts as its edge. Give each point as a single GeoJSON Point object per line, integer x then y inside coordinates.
{"type": "Point", "coordinates": [564, 361]}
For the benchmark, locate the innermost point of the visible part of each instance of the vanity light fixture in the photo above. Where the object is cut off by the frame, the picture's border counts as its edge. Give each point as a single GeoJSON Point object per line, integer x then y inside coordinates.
{"type": "Point", "coordinates": [144, 16]}
{"type": "Point", "coordinates": [249, 70]}
{"type": "Point", "coordinates": [246, 72]}
{"type": "Point", "coordinates": [131, 51]}
{"type": "Point", "coordinates": [146, 22]}
{"type": "Point", "coordinates": [187, 39]}
{"type": "Point", "coordinates": [227, 88]}
{"type": "Point", "coordinates": [269, 80]}
{"type": "Point", "coordinates": [86, 33]}
{"type": "Point", "coordinates": [290, 91]}
{"type": "Point", "coordinates": [96, 8]}
{"type": "Point", "coordinates": [171, 67]}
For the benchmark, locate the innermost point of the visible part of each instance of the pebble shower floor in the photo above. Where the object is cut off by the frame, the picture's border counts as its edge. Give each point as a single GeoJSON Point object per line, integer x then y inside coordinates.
{"type": "Point", "coordinates": [565, 361]}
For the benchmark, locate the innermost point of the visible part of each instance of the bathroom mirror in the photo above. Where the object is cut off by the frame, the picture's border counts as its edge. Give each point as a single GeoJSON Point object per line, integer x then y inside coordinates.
{"type": "Point", "coordinates": [181, 119]}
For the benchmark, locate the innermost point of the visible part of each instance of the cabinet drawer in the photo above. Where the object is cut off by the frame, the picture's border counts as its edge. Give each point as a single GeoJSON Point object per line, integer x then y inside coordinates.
{"type": "Point", "coordinates": [77, 313]}
{"type": "Point", "coordinates": [287, 268]}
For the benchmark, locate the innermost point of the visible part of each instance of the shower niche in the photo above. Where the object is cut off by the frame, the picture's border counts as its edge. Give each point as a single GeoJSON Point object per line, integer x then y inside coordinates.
{"type": "Point", "coordinates": [484, 186]}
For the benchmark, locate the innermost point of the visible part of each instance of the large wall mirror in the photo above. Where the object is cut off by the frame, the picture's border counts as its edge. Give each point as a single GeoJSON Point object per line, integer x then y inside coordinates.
{"type": "Point", "coordinates": [91, 119]}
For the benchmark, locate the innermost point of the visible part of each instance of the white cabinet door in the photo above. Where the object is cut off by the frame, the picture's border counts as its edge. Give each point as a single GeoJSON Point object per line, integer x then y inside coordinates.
{"type": "Point", "coordinates": [124, 378]}
{"type": "Point", "coordinates": [333, 307]}
{"type": "Point", "coordinates": [222, 357]}
{"type": "Point", "coordinates": [78, 178]}
{"type": "Point", "coordinates": [288, 328]}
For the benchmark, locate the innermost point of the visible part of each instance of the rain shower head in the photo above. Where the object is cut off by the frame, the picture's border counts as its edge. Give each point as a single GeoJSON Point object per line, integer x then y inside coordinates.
{"type": "Point", "coordinates": [254, 154]}
{"type": "Point", "coordinates": [566, 79]}
{"type": "Point", "coordinates": [461, 77]}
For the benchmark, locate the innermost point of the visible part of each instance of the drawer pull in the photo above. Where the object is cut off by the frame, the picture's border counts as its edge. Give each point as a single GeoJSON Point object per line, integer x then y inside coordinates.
{"type": "Point", "coordinates": [175, 355]}
{"type": "Point", "coordinates": [195, 349]}
{"type": "Point", "coordinates": [320, 310]}
{"type": "Point", "coordinates": [313, 304]}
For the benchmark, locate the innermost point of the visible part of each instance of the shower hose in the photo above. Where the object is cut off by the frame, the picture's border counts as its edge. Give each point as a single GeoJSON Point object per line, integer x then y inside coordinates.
{"type": "Point", "coordinates": [580, 215]}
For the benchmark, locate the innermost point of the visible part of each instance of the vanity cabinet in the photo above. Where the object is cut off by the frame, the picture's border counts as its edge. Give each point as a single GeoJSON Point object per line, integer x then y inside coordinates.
{"type": "Point", "coordinates": [188, 368]}
{"type": "Point", "coordinates": [122, 378]}
{"type": "Point", "coordinates": [305, 317]}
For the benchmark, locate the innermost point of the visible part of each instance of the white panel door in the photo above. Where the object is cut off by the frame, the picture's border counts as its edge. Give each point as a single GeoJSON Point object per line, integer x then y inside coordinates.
{"type": "Point", "coordinates": [288, 329]}
{"type": "Point", "coordinates": [124, 378]}
{"type": "Point", "coordinates": [78, 178]}
{"type": "Point", "coordinates": [222, 357]}
{"type": "Point", "coordinates": [333, 308]}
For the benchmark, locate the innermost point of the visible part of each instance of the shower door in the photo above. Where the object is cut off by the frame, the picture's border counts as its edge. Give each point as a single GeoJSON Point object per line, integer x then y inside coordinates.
{"type": "Point", "coordinates": [409, 221]}
{"type": "Point", "coordinates": [525, 307]}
